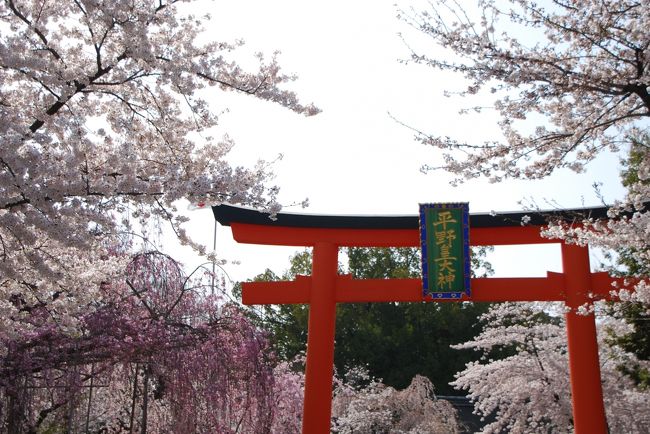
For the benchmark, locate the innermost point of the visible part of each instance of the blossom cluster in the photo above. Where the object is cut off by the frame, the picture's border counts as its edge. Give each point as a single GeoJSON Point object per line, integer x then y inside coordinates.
{"type": "Point", "coordinates": [365, 405]}
{"type": "Point", "coordinates": [523, 378]}
{"type": "Point", "coordinates": [570, 79]}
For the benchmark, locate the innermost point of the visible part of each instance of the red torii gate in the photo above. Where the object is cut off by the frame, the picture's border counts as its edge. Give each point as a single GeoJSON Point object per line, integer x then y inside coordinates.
{"type": "Point", "coordinates": [576, 286]}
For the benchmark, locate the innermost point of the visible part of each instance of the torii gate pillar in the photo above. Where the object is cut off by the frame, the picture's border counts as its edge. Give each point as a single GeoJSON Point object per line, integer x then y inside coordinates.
{"type": "Point", "coordinates": [319, 368]}
{"type": "Point", "coordinates": [584, 366]}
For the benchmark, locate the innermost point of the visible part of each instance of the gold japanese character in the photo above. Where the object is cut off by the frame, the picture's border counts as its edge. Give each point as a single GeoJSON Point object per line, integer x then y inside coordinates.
{"type": "Point", "coordinates": [445, 238]}
{"type": "Point", "coordinates": [444, 218]}
{"type": "Point", "coordinates": [445, 279]}
{"type": "Point", "coordinates": [446, 264]}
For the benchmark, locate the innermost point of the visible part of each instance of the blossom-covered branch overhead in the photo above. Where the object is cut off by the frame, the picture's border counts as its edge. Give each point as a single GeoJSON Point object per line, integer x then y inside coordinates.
{"type": "Point", "coordinates": [104, 110]}
{"type": "Point", "coordinates": [580, 67]}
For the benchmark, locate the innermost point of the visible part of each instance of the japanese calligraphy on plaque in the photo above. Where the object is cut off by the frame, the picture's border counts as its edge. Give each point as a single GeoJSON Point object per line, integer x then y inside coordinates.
{"type": "Point", "coordinates": [444, 237]}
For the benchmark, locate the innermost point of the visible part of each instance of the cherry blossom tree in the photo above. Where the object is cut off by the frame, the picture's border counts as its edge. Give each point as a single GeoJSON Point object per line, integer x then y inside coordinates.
{"type": "Point", "coordinates": [626, 230]}
{"type": "Point", "coordinates": [156, 355]}
{"type": "Point", "coordinates": [581, 66]}
{"type": "Point", "coordinates": [523, 377]}
{"type": "Point", "coordinates": [364, 405]}
{"type": "Point", "coordinates": [289, 381]}
{"type": "Point", "coordinates": [103, 113]}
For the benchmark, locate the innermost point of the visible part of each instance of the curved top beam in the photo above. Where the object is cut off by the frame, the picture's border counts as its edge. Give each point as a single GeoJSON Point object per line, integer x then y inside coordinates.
{"type": "Point", "coordinates": [227, 214]}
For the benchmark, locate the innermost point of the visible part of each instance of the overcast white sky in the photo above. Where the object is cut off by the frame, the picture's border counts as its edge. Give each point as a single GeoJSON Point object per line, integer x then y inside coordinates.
{"type": "Point", "coordinates": [353, 158]}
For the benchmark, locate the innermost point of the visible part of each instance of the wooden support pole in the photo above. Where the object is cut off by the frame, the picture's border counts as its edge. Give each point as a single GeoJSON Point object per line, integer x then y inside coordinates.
{"type": "Point", "coordinates": [319, 368]}
{"type": "Point", "coordinates": [584, 366]}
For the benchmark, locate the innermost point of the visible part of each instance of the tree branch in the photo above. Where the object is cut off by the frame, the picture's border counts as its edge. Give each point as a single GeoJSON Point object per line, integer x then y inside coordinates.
{"type": "Point", "coordinates": [38, 33]}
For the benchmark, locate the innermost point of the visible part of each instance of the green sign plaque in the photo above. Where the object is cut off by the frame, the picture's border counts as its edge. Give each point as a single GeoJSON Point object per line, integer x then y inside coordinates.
{"type": "Point", "coordinates": [444, 237]}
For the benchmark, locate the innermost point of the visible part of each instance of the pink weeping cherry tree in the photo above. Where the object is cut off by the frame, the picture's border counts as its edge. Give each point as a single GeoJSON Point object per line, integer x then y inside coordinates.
{"type": "Point", "coordinates": [155, 355]}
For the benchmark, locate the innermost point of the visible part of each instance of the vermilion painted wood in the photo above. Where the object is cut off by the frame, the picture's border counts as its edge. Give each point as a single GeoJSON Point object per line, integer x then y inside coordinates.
{"type": "Point", "coordinates": [319, 369]}
{"type": "Point", "coordinates": [348, 290]}
{"type": "Point", "coordinates": [284, 292]}
{"type": "Point", "coordinates": [483, 289]}
{"type": "Point", "coordinates": [292, 236]}
{"type": "Point", "coordinates": [575, 286]}
{"type": "Point", "coordinates": [584, 366]}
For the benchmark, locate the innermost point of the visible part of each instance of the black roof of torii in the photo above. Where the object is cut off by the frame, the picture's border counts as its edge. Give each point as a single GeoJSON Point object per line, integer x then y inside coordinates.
{"type": "Point", "coordinates": [227, 214]}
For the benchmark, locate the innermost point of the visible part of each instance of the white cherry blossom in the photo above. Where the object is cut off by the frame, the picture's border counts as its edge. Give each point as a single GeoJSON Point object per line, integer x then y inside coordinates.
{"type": "Point", "coordinates": [103, 112]}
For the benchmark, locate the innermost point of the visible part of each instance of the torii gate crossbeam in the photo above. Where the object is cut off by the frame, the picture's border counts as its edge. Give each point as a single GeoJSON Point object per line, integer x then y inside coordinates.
{"type": "Point", "coordinates": [576, 286]}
